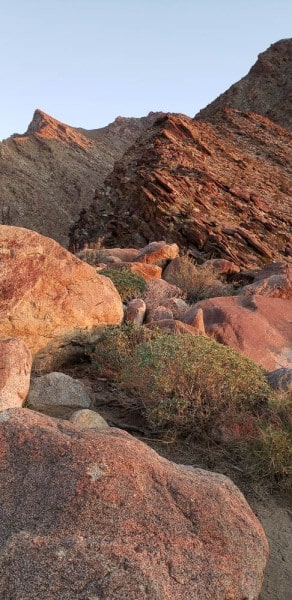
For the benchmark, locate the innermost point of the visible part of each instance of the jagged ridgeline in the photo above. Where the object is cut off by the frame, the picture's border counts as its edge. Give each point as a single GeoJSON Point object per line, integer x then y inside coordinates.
{"type": "Point", "coordinates": [219, 184]}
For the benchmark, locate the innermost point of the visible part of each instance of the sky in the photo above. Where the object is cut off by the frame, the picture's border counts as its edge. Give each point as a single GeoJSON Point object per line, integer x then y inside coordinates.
{"type": "Point", "coordinates": [85, 62]}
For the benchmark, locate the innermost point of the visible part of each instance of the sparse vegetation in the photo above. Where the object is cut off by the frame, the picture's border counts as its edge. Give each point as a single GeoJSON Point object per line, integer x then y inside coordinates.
{"type": "Point", "coordinates": [189, 386]}
{"type": "Point", "coordinates": [129, 285]}
{"type": "Point", "coordinates": [269, 456]}
{"type": "Point", "coordinates": [198, 282]}
{"type": "Point", "coordinates": [186, 383]}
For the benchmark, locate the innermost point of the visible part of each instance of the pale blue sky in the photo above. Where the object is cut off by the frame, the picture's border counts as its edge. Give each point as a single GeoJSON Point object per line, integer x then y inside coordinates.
{"type": "Point", "coordinates": [87, 61]}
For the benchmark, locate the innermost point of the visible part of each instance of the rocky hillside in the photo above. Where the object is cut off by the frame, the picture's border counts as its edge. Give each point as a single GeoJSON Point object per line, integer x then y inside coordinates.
{"type": "Point", "coordinates": [265, 90]}
{"type": "Point", "coordinates": [220, 189]}
{"type": "Point", "coordinates": [48, 174]}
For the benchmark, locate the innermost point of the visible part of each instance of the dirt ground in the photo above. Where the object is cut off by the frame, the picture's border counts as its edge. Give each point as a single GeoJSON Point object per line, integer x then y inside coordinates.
{"type": "Point", "coordinates": [273, 509]}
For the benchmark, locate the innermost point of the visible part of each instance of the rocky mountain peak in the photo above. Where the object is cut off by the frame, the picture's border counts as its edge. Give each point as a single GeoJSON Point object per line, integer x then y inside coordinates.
{"type": "Point", "coordinates": [265, 90]}
{"type": "Point", "coordinates": [45, 126]}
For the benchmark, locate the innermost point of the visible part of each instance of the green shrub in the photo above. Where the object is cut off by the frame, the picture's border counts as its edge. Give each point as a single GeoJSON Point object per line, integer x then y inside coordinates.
{"type": "Point", "coordinates": [186, 383]}
{"type": "Point", "coordinates": [129, 285]}
{"type": "Point", "coordinates": [115, 348]}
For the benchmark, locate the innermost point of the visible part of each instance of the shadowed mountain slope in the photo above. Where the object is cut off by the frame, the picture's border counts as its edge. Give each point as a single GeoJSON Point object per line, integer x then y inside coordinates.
{"type": "Point", "coordinates": [48, 174]}
{"type": "Point", "coordinates": [265, 90]}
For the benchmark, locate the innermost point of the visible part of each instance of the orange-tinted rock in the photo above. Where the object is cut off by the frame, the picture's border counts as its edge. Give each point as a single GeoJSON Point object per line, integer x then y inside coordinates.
{"type": "Point", "coordinates": [257, 326]}
{"type": "Point", "coordinates": [148, 271]}
{"type": "Point", "coordinates": [177, 183]}
{"type": "Point", "coordinates": [15, 366]}
{"type": "Point", "coordinates": [158, 253]}
{"type": "Point", "coordinates": [195, 317]}
{"type": "Point", "coordinates": [47, 292]}
{"type": "Point", "coordinates": [97, 514]}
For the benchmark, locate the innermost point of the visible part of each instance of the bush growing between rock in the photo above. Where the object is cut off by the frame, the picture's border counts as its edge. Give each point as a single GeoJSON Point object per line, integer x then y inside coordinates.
{"type": "Point", "coordinates": [270, 454]}
{"type": "Point", "coordinates": [186, 383]}
{"type": "Point", "coordinates": [197, 282]}
{"type": "Point", "coordinates": [129, 285]}
{"type": "Point", "coordinates": [178, 381]}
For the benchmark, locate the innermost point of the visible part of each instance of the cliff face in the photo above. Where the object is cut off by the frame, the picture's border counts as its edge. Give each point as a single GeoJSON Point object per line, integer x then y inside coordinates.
{"type": "Point", "coordinates": [48, 174]}
{"type": "Point", "coordinates": [220, 189]}
{"type": "Point", "coordinates": [265, 90]}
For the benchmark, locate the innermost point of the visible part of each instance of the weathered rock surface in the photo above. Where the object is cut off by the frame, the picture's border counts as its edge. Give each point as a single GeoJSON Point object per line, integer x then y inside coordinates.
{"type": "Point", "coordinates": [220, 189]}
{"type": "Point", "coordinates": [103, 516]}
{"type": "Point", "coordinates": [15, 367]}
{"type": "Point", "coordinates": [280, 379]}
{"type": "Point", "coordinates": [57, 389]}
{"type": "Point", "coordinates": [158, 253]}
{"type": "Point", "coordinates": [135, 312]}
{"type": "Point", "coordinates": [48, 174]}
{"type": "Point", "coordinates": [88, 419]}
{"type": "Point", "coordinates": [159, 290]}
{"type": "Point", "coordinates": [47, 292]}
{"type": "Point", "coordinates": [257, 326]}
{"type": "Point", "coordinates": [265, 90]}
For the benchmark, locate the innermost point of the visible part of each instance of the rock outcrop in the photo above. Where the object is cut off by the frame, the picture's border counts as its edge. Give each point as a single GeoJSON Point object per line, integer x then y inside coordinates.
{"type": "Point", "coordinates": [97, 514]}
{"type": "Point", "coordinates": [49, 173]}
{"type": "Point", "coordinates": [46, 292]}
{"type": "Point", "coordinates": [265, 90]}
{"type": "Point", "coordinates": [220, 189]}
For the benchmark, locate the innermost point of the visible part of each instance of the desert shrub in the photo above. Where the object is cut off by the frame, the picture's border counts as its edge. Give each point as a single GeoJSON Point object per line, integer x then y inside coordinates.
{"type": "Point", "coordinates": [129, 285]}
{"type": "Point", "coordinates": [115, 348]}
{"type": "Point", "coordinates": [269, 456]}
{"type": "Point", "coordinates": [198, 282]}
{"type": "Point", "coordinates": [186, 383]}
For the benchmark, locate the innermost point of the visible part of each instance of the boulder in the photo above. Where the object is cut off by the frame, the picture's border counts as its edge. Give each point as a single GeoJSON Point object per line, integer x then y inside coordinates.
{"type": "Point", "coordinates": [159, 290]}
{"type": "Point", "coordinates": [15, 367]}
{"type": "Point", "coordinates": [275, 286]}
{"type": "Point", "coordinates": [57, 389]}
{"type": "Point", "coordinates": [180, 269]}
{"type": "Point", "coordinates": [259, 327]}
{"type": "Point", "coordinates": [95, 256]}
{"type": "Point", "coordinates": [177, 305]}
{"type": "Point", "coordinates": [46, 292]}
{"type": "Point", "coordinates": [221, 266]}
{"type": "Point", "coordinates": [135, 312]}
{"type": "Point", "coordinates": [88, 419]}
{"type": "Point", "coordinates": [158, 253]}
{"type": "Point", "coordinates": [147, 271]}
{"type": "Point", "coordinates": [280, 379]}
{"type": "Point", "coordinates": [195, 317]}
{"type": "Point", "coordinates": [97, 514]}
{"type": "Point", "coordinates": [157, 313]}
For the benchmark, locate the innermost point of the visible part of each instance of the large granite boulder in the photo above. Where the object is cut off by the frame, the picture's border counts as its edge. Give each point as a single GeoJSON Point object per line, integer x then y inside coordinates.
{"type": "Point", "coordinates": [89, 514]}
{"type": "Point", "coordinates": [47, 292]}
{"type": "Point", "coordinates": [257, 326]}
